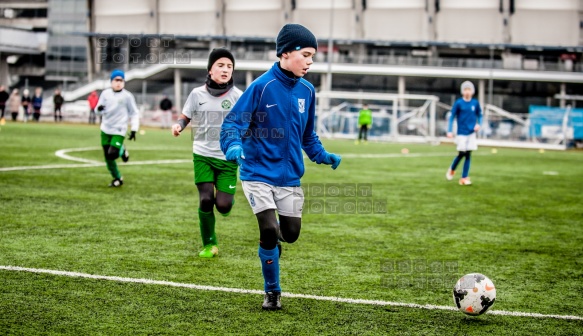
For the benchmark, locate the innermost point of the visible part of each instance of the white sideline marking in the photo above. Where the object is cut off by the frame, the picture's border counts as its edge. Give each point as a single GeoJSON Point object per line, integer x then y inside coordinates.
{"type": "Point", "coordinates": [394, 155]}
{"type": "Point", "coordinates": [85, 163]}
{"type": "Point", "coordinates": [62, 153]}
{"type": "Point", "coordinates": [290, 295]}
{"type": "Point", "coordinates": [53, 166]}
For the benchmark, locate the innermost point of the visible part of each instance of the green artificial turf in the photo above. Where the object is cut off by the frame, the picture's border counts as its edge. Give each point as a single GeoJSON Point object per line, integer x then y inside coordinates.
{"type": "Point", "coordinates": [517, 224]}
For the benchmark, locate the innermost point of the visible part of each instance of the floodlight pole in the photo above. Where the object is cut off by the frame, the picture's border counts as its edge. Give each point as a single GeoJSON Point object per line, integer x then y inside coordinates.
{"type": "Point", "coordinates": [330, 47]}
{"type": "Point", "coordinates": [491, 79]}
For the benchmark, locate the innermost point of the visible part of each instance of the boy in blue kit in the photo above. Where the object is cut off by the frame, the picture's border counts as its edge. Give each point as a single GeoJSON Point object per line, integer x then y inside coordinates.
{"type": "Point", "coordinates": [468, 114]}
{"type": "Point", "coordinates": [265, 133]}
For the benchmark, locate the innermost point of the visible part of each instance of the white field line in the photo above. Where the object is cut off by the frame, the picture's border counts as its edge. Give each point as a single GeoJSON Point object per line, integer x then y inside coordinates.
{"type": "Point", "coordinates": [85, 163]}
{"type": "Point", "coordinates": [62, 153]}
{"type": "Point", "coordinates": [52, 166]}
{"type": "Point", "coordinates": [289, 295]}
{"type": "Point", "coordinates": [395, 155]}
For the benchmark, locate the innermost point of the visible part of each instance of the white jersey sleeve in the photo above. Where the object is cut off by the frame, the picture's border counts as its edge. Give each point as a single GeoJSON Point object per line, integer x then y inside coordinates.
{"type": "Point", "coordinates": [133, 113]}
{"type": "Point", "coordinates": [189, 108]}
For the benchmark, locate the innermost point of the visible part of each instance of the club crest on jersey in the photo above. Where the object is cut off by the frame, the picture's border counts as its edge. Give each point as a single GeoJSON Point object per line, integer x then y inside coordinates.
{"type": "Point", "coordinates": [302, 105]}
{"type": "Point", "coordinates": [226, 104]}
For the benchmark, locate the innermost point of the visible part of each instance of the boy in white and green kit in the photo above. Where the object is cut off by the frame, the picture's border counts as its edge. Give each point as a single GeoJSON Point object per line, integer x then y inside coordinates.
{"type": "Point", "coordinates": [117, 106]}
{"type": "Point", "coordinates": [206, 107]}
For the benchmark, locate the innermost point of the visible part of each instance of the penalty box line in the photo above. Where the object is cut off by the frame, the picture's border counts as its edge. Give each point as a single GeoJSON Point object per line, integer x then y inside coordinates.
{"type": "Point", "coordinates": [284, 294]}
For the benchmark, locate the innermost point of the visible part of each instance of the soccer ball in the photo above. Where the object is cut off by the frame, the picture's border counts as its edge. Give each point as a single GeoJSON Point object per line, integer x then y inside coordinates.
{"type": "Point", "coordinates": [474, 294]}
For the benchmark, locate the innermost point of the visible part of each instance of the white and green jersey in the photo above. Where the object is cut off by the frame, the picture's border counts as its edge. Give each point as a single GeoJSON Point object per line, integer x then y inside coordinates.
{"type": "Point", "coordinates": [206, 113]}
{"type": "Point", "coordinates": [120, 108]}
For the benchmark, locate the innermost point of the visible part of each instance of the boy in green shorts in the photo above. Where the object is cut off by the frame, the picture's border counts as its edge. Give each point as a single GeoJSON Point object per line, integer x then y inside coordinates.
{"type": "Point", "coordinates": [117, 107]}
{"type": "Point", "coordinates": [207, 106]}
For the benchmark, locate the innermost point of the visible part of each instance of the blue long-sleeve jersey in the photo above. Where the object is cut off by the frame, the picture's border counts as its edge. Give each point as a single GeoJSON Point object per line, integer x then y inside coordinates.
{"type": "Point", "coordinates": [468, 115]}
{"type": "Point", "coordinates": [273, 121]}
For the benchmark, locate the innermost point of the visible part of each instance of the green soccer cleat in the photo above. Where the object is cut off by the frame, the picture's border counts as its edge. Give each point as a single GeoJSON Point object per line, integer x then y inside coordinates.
{"type": "Point", "coordinates": [209, 251]}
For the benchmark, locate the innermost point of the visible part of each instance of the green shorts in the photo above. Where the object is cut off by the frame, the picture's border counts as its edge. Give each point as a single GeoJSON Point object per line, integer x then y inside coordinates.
{"type": "Point", "coordinates": [220, 172]}
{"type": "Point", "coordinates": [112, 140]}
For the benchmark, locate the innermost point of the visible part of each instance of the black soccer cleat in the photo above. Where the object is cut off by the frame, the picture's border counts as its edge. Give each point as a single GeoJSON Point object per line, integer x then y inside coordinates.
{"type": "Point", "coordinates": [125, 156]}
{"type": "Point", "coordinates": [272, 301]}
{"type": "Point", "coordinates": [116, 182]}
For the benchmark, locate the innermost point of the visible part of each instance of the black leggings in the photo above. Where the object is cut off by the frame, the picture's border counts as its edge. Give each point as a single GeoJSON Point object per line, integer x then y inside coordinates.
{"type": "Point", "coordinates": [36, 115]}
{"type": "Point", "coordinates": [288, 229]}
{"type": "Point", "coordinates": [459, 158]}
{"type": "Point", "coordinates": [58, 115]}
{"type": "Point", "coordinates": [363, 132]}
{"type": "Point", "coordinates": [209, 199]}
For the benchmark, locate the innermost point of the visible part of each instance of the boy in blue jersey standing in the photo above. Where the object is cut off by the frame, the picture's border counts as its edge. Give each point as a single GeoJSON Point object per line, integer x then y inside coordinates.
{"type": "Point", "coordinates": [265, 133]}
{"type": "Point", "coordinates": [468, 114]}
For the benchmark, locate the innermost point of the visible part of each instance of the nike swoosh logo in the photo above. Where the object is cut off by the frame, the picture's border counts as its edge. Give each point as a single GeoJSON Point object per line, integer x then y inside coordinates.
{"type": "Point", "coordinates": [488, 288]}
{"type": "Point", "coordinates": [269, 106]}
{"type": "Point", "coordinates": [117, 144]}
{"type": "Point", "coordinates": [232, 187]}
{"type": "Point", "coordinates": [202, 103]}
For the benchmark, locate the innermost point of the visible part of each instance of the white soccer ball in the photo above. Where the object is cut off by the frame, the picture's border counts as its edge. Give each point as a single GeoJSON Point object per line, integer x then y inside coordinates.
{"type": "Point", "coordinates": [474, 294]}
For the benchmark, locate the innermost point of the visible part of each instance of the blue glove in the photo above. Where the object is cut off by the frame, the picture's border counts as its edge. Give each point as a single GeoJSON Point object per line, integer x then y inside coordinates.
{"type": "Point", "coordinates": [235, 153]}
{"type": "Point", "coordinates": [332, 159]}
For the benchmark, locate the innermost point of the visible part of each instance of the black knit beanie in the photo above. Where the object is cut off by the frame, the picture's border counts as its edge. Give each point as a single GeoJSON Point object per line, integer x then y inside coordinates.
{"type": "Point", "coordinates": [294, 37]}
{"type": "Point", "coordinates": [218, 53]}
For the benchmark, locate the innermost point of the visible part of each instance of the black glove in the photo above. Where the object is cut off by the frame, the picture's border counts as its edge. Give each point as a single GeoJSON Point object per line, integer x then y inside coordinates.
{"type": "Point", "coordinates": [132, 136]}
{"type": "Point", "coordinates": [100, 108]}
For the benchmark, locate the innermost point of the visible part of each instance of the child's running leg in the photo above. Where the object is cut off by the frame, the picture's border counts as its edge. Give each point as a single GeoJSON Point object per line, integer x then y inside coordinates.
{"type": "Point", "coordinates": [290, 228]}
{"type": "Point", "coordinates": [268, 253]}
{"type": "Point", "coordinates": [207, 220]}
{"type": "Point", "coordinates": [467, 163]}
{"type": "Point", "coordinates": [454, 164]}
{"type": "Point", "coordinates": [457, 160]}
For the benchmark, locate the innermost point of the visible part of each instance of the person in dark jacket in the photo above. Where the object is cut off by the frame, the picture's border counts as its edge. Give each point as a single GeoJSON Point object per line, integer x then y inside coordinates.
{"type": "Point", "coordinates": [58, 101]}
{"type": "Point", "coordinates": [166, 107]}
{"type": "Point", "coordinates": [25, 102]}
{"type": "Point", "coordinates": [37, 103]}
{"type": "Point", "coordinates": [3, 98]}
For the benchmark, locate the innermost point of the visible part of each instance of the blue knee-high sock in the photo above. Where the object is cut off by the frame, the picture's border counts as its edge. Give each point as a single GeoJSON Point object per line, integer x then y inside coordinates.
{"type": "Point", "coordinates": [467, 164]}
{"type": "Point", "coordinates": [270, 267]}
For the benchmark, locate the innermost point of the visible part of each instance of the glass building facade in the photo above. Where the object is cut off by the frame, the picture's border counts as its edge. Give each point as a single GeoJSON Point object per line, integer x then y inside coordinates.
{"type": "Point", "coordinates": [67, 47]}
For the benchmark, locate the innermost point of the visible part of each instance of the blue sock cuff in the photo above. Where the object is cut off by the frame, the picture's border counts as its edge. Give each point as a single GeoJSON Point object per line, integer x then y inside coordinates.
{"type": "Point", "coordinates": [268, 253]}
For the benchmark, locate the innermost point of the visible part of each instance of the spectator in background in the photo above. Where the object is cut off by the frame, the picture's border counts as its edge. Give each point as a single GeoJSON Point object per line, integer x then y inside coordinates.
{"type": "Point", "coordinates": [3, 98]}
{"type": "Point", "coordinates": [364, 123]}
{"type": "Point", "coordinates": [14, 104]}
{"type": "Point", "coordinates": [37, 103]}
{"type": "Point", "coordinates": [166, 107]}
{"type": "Point", "coordinates": [58, 101]}
{"type": "Point", "coordinates": [93, 98]}
{"type": "Point", "coordinates": [25, 102]}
